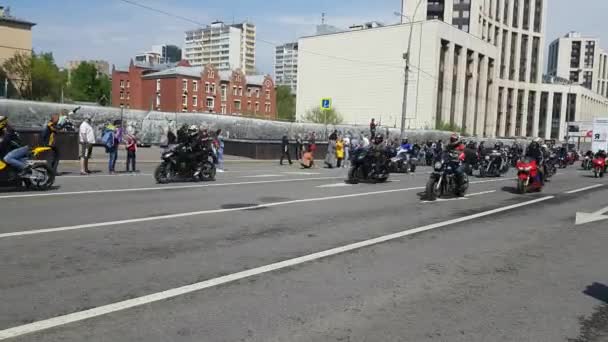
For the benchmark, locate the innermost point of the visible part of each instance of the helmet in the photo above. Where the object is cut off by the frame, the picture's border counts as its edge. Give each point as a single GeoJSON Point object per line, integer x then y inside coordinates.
{"type": "Point", "coordinates": [472, 144]}
{"type": "Point", "coordinates": [378, 139]}
{"type": "Point", "coordinates": [192, 130]}
{"type": "Point", "coordinates": [405, 141]}
{"type": "Point", "coordinates": [545, 146]}
{"type": "Point", "coordinates": [3, 121]}
{"type": "Point", "coordinates": [454, 138]}
{"type": "Point", "coordinates": [538, 140]}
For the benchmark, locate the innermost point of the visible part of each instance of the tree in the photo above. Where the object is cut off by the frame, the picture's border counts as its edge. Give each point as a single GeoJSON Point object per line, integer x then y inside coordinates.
{"type": "Point", "coordinates": [19, 71]}
{"type": "Point", "coordinates": [330, 116]}
{"type": "Point", "coordinates": [86, 84]}
{"type": "Point", "coordinates": [286, 104]}
{"type": "Point", "coordinates": [47, 80]}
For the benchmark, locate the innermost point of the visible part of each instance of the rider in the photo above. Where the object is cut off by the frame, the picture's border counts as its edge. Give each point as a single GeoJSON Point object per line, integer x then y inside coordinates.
{"type": "Point", "coordinates": [378, 152]}
{"type": "Point", "coordinates": [535, 152]}
{"type": "Point", "coordinates": [11, 147]}
{"type": "Point", "coordinates": [453, 149]}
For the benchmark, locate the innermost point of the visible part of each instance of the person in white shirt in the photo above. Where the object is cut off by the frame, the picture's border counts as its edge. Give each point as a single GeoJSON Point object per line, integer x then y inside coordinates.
{"type": "Point", "coordinates": [365, 141]}
{"type": "Point", "coordinates": [86, 139]}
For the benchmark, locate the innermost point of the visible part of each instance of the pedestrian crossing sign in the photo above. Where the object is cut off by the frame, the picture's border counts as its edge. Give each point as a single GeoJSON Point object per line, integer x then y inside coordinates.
{"type": "Point", "coordinates": [326, 103]}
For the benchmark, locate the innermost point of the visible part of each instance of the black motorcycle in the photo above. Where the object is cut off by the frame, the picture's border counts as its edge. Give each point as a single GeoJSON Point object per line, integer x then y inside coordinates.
{"type": "Point", "coordinates": [181, 163]}
{"type": "Point", "coordinates": [403, 162]}
{"type": "Point", "coordinates": [367, 167]}
{"type": "Point", "coordinates": [443, 180]}
{"type": "Point", "coordinates": [493, 164]}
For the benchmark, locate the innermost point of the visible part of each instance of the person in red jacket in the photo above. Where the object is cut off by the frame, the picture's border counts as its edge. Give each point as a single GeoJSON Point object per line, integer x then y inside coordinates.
{"type": "Point", "coordinates": [131, 147]}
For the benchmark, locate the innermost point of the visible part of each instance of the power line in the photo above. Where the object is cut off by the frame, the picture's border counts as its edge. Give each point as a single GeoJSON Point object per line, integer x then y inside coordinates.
{"type": "Point", "coordinates": [162, 12]}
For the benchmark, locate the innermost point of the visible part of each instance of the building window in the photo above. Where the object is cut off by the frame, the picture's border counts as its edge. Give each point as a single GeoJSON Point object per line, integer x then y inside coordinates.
{"type": "Point", "coordinates": [195, 101]}
{"type": "Point", "coordinates": [210, 103]}
{"type": "Point", "coordinates": [257, 93]}
{"type": "Point", "coordinates": [248, 92]}
{"type": "Point", "coordinates": [212, 88]}
{"type": "Point", "coordinates": [237, 105]}
{"type": "Point", "coordinates": [157, 100]}
{"type": "Point", "coordinates": [185, 85]}
{"type": "Point", "coordinates": [235, 91]}
{"type": "Point", "coordinates": [157, 85]}
{"type": "Point", "coordinates": [194, 85]}
{"type": "Point", "coordinates": [207, 88]}
{"type": "Point", "coordinates": [211, 74]}
{"type": "Point", "coordinates": [184, 100]}
{"type": "Point", "coordinates": [122, 95]}
{"type": "Point", "coordinates": [267, 108]}
{"type": "Point", "coordinates": [267, 94]}
{"type": "Point", "coordinates": [240, 91]}
{"type": "Point", "coordinates": [128, 96]}
{"type": "Point", "coordinates": [223, 108]}
{"type": "Point", "coordinates": [257, 107]}
{"type": "Point", "coordinates": [128, 84]}
{"type": "Point", "coordinates": [224, 92]}
{"type": "Point", "coordinates": [122, 84]}
{"type": "Point", "coordinates": [248, 105]}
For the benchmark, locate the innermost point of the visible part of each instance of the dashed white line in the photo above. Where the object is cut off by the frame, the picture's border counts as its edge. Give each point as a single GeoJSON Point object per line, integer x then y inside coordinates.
{"type": "Point", "coordinates": [584, 189]}
{"type": "Point", "coordinates": [262, 176]}
{"type": "Point", "coordinates": [179, 291]}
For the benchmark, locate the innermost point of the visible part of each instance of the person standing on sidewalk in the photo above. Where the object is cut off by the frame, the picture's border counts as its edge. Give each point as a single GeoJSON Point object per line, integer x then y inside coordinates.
{"type": "Point", "coordinates": [86, 138]}
{"type": "Point", "coordinates": [220, 150]}
{"type": "Point", "coordinates": [49, 135]}
{"type": "Point", "coordinates": [346, 141]}
{"type": "Point", "coordinates": [285, 150]}
{"type": "Point", "coordinates": [111, 144]}
{"type": "Point", "coordinates": [339, 152]}
{"type": "Point", "coordinates": [298, 146]}
{"type": "Point", "coordinates": [131, 147]}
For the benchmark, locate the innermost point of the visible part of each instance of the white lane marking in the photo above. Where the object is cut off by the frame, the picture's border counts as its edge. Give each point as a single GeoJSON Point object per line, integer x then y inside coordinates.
{"type": "Point", "coordinates": [335, 185]}
{"type": "Point", "coordinates": [262, 176]}
{"type": "Point", "coordinates": [179, 291]}
{"type": "Point", "coordinates": [584, 189]}
{"type": "Point", "coordinates": [117, 175]}
{"type": "Point", "coordinates": [481, 193]}
{"type": "Point", "coordinates": [302, 173]}
{"type": "Point", "coordinates": [204, 212]}
{"type": "Point", "coordinates": [164, 188]}
{"type": "Point", "coordinates": [461, 198]}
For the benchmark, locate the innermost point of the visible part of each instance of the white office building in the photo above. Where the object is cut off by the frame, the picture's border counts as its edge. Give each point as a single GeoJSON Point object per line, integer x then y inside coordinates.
{"type": "Point", "coordinates": [226, 47]}
{"type": "Point", "coordinates": [580, 60]}
{"type": "Point", "coordinates": [286, 66]}
{"type": "Point", "coordinates": [475, 64]}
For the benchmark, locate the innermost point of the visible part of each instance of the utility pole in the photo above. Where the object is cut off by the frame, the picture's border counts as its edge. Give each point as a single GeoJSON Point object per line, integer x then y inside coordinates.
{"type": "Point", "coordinates": [6, 88]}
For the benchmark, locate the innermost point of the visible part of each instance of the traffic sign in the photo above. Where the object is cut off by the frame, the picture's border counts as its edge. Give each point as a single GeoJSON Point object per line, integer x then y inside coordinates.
{"type": "Point", "coordinates": [326, 103]}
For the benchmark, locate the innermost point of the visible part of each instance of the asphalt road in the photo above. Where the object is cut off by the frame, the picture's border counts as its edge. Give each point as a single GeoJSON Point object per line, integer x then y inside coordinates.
{"type": "Point", "coordinates": [270, 253]}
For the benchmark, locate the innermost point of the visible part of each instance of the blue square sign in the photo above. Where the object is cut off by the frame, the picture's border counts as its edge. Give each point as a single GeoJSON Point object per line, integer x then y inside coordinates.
{"type": "Point", "coordinates": [326, 104]}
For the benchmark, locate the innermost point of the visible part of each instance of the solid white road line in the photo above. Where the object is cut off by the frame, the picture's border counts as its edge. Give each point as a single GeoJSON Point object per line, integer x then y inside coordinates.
{"type": "Point", "coordinates": [179, 291]}
{"type": "Point", "coordinates": [163, 188]}
{"type": "Point", "coordinates": [481, 193]}
{"type": "Point", "coordinates": [117, 175]}
{"type": "Point", "coordinates": [335, 185]}
{"type": "Point", "coordinates": [466, 197]}
{"type": "Point", "coordinates": [262, 176]}
{"type": "Point", "coordinates": [584, 189]}
{"type": "Point", "coordinates": [205, 212]}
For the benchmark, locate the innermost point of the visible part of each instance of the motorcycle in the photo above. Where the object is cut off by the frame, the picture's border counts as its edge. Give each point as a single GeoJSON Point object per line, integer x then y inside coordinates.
{"type": "Point", "coordinates": [181, 163]}
{"type": "Point", "coordinates": [402, 163]}
{"type": "Point", "coordinates": [443, 178]}
{"type": "Point", "coordinates": [527, 171]}
{"type": "Point", "coordinates": [363, 167]}
{"type": "Point", "coordinates": [587, 163]}
{"type": "Point", "coordinates": [41, 177]}
{"type": "Point", "coordinates": [562, 162]}
{"type": "Point", "coordinates": [599, 167]}
{"type": "Point", "coordinates": [493, 165]}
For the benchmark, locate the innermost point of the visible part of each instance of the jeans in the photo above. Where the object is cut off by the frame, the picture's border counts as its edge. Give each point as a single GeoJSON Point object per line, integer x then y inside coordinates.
{"type": "Point", "coordinates": [131, 160]}
{"type": "Point", "coordinates": [55, 161]}
{"type": "Point", "coordinates": [15, 157]}
{"type": "Point", "coordinates": [113, 154]}
{"type": "Point", "coordinates": [220, 158]}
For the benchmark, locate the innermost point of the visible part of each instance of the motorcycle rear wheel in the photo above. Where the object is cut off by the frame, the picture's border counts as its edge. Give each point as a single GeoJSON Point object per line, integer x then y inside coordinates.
{"type": "Point", "coordinates": [45, 182]}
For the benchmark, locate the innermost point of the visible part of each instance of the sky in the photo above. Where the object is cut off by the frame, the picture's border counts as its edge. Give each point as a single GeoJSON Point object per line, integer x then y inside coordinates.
{"type": "Point", "coordinates": [115, 31]}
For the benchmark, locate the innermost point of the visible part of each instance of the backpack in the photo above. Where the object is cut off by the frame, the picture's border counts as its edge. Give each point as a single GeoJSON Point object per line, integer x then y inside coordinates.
{"type": "Point", "coordinates": [108, 139]}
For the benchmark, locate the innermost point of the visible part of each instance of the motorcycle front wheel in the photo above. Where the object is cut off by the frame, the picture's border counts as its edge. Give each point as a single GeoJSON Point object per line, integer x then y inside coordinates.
{"type": "Point", "coordinates": [163, 173]}
{"type": "Point", "coordinates": [353, 174]}
{"type": "Point", "coordinates": [432, 192]}
{"type": "Point", "coordinates": [521, 187]}
{"type": "Point", "coordinates": [208, 172]}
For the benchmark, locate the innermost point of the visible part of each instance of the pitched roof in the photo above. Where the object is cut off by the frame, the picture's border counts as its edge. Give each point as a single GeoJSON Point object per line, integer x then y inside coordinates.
{"type": "Point", "coordinates": [13, 20]}
{"type": "Point", "coordinates": [180, 70]}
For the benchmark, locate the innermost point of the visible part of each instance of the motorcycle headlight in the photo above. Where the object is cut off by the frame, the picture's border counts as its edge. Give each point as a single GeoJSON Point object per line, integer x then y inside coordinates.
{"type": "Point", "coordinates": [487, 157]}
{"type": "Point", "coordinates": [438, 165]}
{"type": "Point", "coordinates": [168, 155]}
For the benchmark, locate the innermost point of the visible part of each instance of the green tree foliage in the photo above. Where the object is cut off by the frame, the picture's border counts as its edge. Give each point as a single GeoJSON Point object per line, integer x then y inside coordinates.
{"type": "Point", "coordinates": [19, 71]}
{"type": "Point", "coordinates": [331, 117]}
{"type": "Point", "coordinates": [35, 76]}
{"type": "Point", "coordinates": [86, 84]}
{"type": "Point", "coordinates": [450, 127]}
{"type": "Point", "coordinates": [286, 104]}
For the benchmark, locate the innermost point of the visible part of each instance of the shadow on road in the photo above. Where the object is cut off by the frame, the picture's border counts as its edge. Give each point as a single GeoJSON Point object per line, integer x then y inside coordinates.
{"type": "Point", "coordinates": [594, 328]}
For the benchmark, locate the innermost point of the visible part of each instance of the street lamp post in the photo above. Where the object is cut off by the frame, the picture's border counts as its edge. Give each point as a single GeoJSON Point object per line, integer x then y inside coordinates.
{"type": "Point", "coordinates": [406, 57]}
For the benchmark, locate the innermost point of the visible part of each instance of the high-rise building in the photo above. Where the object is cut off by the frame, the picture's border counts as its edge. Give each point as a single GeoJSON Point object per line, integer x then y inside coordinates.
{"type": "Point", "coordinates": [226, 47]}
{"type": "Point", "coordinates": [149, 57]}
{"type": "Point", "coordinates": [286, 65]}
{"type": "Point", "coordinates": [168, 53]}
{"type": "Point", "coordinates": [475, 65]}
{"type": "Point", "coordinates": [580, 60]}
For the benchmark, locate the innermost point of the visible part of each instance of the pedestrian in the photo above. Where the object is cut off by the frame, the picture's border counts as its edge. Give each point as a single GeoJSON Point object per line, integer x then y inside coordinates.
{"type": "Point", "coordinates": [346, 151]}
{"type": "Point", "coordinates": [111, 144]}
{"type": "Point", "coordinates": [285, 150]}
{"type": "Point", "coordinates": [372, 128]}
{"type": "Point", "coordinates": [333, 136]}
{"type": "Point", "coordinates": [86, 138]}
{"type": "Point", "coordinates": [131, 147]}
{"type": "Point", "coordinates": [299, 146]}
{"type": "Point", "coordinates": [330, 157]}
{"type": "Point", "coordinates": [307, 160]}
{"type": "Point", "coordinates": [49, 138]}
{"type": "Point", "coordinates": [220, 150]}
{"type": "Point", "coordinates": [312, 142]}
{"type": "Point", "coordinates": [339, 152]}
{"type": "Point", "coordinates": [171, 138]}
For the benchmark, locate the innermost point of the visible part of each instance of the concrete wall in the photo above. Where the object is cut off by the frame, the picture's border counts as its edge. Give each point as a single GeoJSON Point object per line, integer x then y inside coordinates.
{"type": "Point", "coordinates": [152, 127]}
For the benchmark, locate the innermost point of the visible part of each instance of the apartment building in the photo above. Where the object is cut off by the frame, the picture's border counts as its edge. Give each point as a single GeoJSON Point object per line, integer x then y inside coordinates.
{"type": "Point", "coordinates": [226, 47]}
{"type": "Point", "coordinates": [286, 66]}
{"type": "Point", "coordinates": [580, 60]}
{"type": "Point", "coordinates": [15, 35]}
{"type": "Point", "coordinates": [475, 64]}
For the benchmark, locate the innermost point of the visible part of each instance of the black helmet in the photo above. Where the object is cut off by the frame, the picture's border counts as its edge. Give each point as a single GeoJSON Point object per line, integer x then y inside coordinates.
{"type": "Point", "coordinates": [378, 139]}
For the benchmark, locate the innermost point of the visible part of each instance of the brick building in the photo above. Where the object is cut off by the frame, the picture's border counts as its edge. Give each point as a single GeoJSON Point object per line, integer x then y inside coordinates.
{"type": "Point", "coordinates": [183, 88]}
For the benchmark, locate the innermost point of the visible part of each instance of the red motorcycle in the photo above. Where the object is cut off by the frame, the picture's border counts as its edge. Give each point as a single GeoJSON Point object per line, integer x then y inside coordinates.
{"type": "Point", "coordinates": [527, 180]}
{"type": "Point", "coordinates": [599, 167]}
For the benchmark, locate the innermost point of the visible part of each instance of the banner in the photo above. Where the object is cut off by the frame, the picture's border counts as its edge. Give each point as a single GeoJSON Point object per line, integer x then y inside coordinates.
{"type": "Point", "coordinates": [600, 134]}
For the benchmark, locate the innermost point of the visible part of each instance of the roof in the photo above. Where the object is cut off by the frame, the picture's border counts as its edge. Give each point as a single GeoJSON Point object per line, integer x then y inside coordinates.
{"type": "Point", "coordinates": [256, 79]}
{"type": "Point", "coordinates": [180, 70]}
{"type": "Point", "coordinates": [13, 20]}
